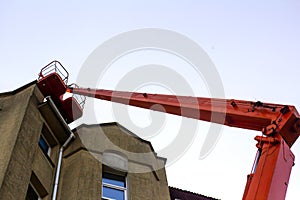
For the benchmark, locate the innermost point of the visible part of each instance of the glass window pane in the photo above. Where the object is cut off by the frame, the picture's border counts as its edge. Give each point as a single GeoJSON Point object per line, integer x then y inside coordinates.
{"type": "Point", "coordinates": [113, 182]}
{"type": "Point", "coordinates": [112, 193]}
{"type": "Point", "coordinates": [113, 179]}
{"type": "Point", "coordinates": [44, 146]}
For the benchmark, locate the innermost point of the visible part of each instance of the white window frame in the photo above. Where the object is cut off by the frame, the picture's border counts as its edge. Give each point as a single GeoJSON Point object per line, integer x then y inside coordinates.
{"type": "Point", "coordinates": [124, 189]}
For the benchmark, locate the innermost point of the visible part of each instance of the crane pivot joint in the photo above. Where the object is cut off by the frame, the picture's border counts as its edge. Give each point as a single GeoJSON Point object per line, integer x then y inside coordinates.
{"type": "Point", "coordinates": [269, 130]}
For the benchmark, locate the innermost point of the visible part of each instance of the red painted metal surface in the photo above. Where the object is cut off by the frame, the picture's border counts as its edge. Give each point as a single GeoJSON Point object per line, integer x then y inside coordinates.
{"type": "Point", "coordinates": [52, 85]}
{"type": "Point", "coordinates": [71, 109]}
{"type": "Point", "coordinates": [52, 82]}
{"type": "Point", "coordinates": [266, 117]}
{"type": "Point", "coordinates": [279, 123]}
{"type": "Point", "coordinates": [271, 176]}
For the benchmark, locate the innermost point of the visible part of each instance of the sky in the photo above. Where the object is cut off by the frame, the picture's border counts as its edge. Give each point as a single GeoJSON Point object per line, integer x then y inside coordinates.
{"type": "Point", "coordinates": [254, 46]}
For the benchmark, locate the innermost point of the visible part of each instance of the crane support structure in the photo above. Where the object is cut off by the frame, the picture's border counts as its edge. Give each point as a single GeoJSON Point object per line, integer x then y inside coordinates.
{"type": "Point", "coordinates": [279, 124]}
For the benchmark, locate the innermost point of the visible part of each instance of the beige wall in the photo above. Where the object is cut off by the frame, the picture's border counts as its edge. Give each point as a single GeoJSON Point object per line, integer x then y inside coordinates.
{"type": "Point", "coordinates": [20, 158]}
{"type": "Point", "coordinates": [22, 161]}
{"type": "Point", "coordinates": [83, 167]}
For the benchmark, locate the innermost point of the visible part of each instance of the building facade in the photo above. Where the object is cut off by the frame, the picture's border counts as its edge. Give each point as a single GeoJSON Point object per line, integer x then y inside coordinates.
{"type": "Point", "coordinates": [42, 159]}
{"type": "Point", "coordinates": [97, 161]}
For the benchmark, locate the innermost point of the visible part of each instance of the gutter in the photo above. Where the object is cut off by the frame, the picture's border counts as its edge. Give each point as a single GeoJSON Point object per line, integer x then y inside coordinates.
{"type": "Point", "coordinates": [62, 148]}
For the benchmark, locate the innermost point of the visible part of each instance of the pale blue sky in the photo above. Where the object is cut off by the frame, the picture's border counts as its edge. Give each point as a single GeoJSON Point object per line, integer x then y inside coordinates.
{"type": "Point", "coordinates": [255, 47]}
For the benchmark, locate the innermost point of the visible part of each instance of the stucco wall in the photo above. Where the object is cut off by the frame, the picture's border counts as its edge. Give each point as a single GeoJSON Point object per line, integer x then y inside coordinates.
{"type": "Point", "coordinates": [83, 161]}
{"type": "Point", "coordinates": [22, 161]}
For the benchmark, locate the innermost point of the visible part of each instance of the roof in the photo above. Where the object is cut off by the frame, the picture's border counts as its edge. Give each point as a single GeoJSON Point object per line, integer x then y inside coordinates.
{"type": "Point", "coordinates": [126, 131]}
{"type": "Point", "coordinates": [179, 194]}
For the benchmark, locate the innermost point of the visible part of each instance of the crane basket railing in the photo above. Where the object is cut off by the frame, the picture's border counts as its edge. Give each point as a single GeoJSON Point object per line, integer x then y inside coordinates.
{"type": "Point", "coordinates": [54, 67]}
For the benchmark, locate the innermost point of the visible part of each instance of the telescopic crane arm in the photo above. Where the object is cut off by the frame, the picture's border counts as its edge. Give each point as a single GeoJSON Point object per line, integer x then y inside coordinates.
{"type": "Point", "coordinates": [266, 117]}
{"type": "Point", "coordinates": [279, 124]}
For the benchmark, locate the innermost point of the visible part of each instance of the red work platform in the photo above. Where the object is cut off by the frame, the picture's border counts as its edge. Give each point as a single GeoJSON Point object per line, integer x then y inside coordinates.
{"type": "Point", "coordinates": [52, 82]}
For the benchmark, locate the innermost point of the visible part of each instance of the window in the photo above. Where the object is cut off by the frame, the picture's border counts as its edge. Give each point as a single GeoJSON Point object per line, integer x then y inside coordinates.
{"type": "Point", "coordinates": [44, 146]}
{"type": "Point", "coordinates": [32, 194]}
{"type": "Point", "coordinates": [113, 187]}
{"type": "Point", "coordinates": [35, 190]}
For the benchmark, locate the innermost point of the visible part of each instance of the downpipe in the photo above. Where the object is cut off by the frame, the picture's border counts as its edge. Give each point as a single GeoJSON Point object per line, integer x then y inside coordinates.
{"type": "Point", "coordinates": [62, 148]}
{"type": "Point", "coordinates": [57, 174]}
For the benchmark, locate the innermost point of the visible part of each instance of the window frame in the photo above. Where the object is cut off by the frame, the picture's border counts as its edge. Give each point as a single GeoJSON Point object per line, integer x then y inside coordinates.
{"type": "Point", "coordinates": [116, 187]}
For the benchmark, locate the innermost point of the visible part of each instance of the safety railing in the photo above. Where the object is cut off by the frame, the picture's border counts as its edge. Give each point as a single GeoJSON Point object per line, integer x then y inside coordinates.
{"type": "Point", "coordinates": [79, 98]}
{"type": "Point", "coordinates": [54, 67]}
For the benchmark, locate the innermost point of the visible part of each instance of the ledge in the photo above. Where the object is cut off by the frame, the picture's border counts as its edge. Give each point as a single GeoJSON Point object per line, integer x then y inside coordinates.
{"type": "Point", "coordinates": [55, 121]}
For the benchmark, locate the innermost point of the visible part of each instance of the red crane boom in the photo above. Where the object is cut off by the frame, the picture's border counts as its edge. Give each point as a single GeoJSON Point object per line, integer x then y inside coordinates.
{"type": "Point", "coordinates": [279, 123]}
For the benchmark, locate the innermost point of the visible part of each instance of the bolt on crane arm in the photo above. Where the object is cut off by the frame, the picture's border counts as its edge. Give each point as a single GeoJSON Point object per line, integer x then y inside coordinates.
{"type": "Point", "coordinates": [266, 117]}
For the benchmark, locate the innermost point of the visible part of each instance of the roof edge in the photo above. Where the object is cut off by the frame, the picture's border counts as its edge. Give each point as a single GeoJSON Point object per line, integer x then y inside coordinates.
{"type": "Point", "coordinates": [194, 193]}
{"type": "Point", "coordinates": [84, 125]}
{"type": "Point", "coordinates": [12, 92]}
